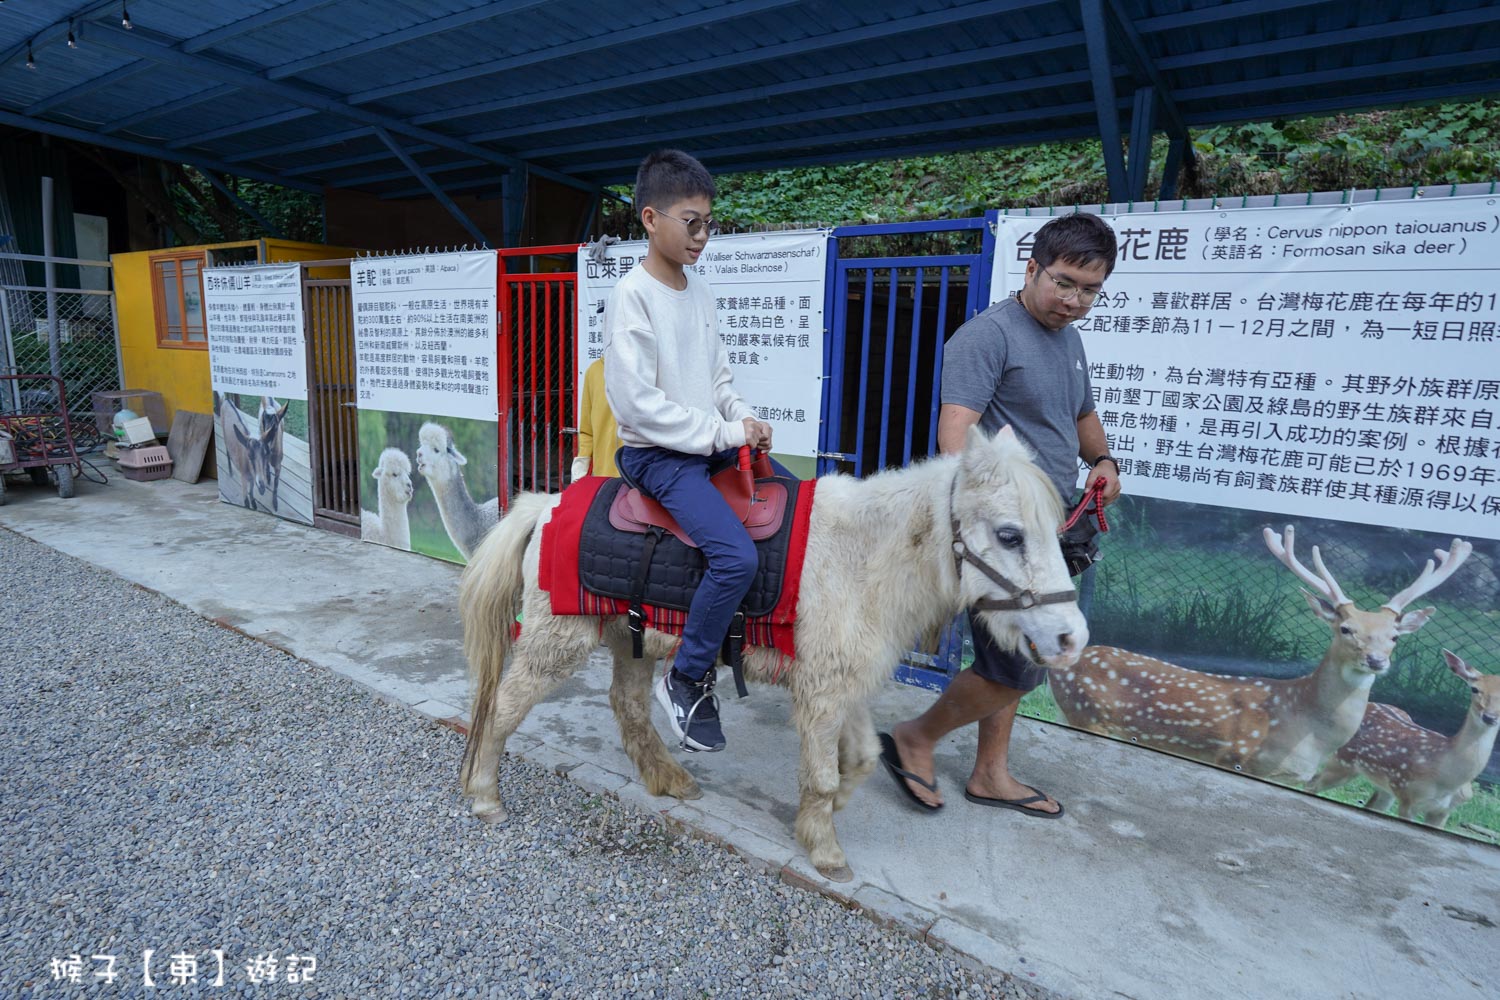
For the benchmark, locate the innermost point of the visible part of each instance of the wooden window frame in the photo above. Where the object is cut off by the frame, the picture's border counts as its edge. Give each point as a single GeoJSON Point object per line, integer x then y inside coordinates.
{"type": "Point", "coordinates": [158, 300]}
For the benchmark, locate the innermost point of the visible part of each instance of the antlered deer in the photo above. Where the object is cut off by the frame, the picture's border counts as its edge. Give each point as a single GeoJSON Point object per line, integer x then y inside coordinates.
{"type": "Point", "coordinates": [1278, 729]}
{"type": "Point", "coordinates": [1425, 773]}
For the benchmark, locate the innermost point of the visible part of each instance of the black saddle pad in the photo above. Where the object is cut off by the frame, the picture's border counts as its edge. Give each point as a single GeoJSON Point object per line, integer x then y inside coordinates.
{"type": "Point", "coordinates": [609, 560]}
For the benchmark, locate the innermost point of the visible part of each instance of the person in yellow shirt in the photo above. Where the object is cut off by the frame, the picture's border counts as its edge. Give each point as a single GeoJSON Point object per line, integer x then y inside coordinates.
{"type": "Point", "coordinates": [598, 437]}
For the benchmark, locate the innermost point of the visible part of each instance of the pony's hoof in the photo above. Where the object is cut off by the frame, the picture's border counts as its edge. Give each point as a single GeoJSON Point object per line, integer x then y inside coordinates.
{"type": "Point", "coordinates": [492, 817]}
{"type": "Point", "coordinates": [688, 792]}
{"type": "Point", "coordinates": [836, 873]}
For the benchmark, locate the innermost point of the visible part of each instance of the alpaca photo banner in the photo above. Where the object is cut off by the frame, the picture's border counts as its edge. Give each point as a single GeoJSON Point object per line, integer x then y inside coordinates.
{"type": "Point", "coordinates": [258, 369]}
{"type": "Point", "coordinates": [768, 289]}
{"type": "Point", "coordinates": [1272, 380]}
{"type": "Point", "coordinates": [425, 329]}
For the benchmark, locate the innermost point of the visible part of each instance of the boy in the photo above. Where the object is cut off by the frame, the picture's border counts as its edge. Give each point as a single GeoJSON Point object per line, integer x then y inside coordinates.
{"type": "Point", "coordinates": [667, 378]}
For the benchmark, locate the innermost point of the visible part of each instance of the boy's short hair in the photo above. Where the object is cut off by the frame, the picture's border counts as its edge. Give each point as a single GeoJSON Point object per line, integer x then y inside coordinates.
{"type": "Point", "coordinates": [1079, 239]}
{"type": "Point", "coordinates": [668, 176]}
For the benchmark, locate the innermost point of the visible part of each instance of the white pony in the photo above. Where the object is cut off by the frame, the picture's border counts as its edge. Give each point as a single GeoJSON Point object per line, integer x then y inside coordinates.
{"type": "Point", "coordinates": [882, 567]}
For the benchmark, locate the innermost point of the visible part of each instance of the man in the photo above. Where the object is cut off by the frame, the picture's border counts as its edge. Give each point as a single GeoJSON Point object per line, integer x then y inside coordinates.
{"type": "Point", "coordinates": [1020, 362]}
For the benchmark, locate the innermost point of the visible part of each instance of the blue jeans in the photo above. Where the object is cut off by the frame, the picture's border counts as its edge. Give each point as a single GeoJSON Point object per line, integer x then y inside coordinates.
{"type": "Point", "coordinates": [680, 484]}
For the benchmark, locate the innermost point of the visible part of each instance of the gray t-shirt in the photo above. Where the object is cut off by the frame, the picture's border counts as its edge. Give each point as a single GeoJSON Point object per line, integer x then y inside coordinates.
{"type": "Point", "coordinates": [1013, 370]}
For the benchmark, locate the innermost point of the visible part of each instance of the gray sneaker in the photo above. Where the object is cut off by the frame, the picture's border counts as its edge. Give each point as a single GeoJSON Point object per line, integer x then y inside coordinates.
{"type": "Point", "coordinates": [692, 709]}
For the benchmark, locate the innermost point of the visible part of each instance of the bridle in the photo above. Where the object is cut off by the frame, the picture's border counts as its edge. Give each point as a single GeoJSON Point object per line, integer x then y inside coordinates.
{"type": "Point", "coordinates": [1022, 598]}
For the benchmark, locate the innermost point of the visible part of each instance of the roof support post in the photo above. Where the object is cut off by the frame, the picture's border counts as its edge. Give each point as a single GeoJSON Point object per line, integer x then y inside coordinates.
{"type": "Point", "coordinates": [513, 188]}
{"type": "Point", "coordinates": [242, 204]}
{"type": "Point", "coordinates": [1136, 54]}
{"type": "Point", "coordinates": [1142, 122]}
{"type": "Point", "coordinates": [587, 229]}
{"type": "Point", "coordinates": [432, 188]}
{"type": "Point", "coordinates": [1096, 36]}
{"type": "Point", "coordinates": [1174, 164]}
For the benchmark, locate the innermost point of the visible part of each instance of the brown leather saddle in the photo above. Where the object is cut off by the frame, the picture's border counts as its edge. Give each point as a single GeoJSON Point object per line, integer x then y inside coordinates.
{"type": "Point", "coordinates": [760, 505]}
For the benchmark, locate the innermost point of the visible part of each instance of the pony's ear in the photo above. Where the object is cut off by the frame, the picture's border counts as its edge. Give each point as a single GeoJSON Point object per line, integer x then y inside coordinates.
{"type": "Point", "coordinates": [978, 460]}
{"type": "Point", "coordinates": [1006, 433]}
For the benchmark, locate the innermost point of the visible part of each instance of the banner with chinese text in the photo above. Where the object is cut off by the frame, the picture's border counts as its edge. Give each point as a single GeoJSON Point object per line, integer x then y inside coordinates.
{"type": "Point", "coordinates": [1330, 370]}
{"type": "Point", "coordinates": [769, 293]}
{"type": "Point", "coordinates": [258, 369]}
{"type": "Point", "coordinates": [425, 329]}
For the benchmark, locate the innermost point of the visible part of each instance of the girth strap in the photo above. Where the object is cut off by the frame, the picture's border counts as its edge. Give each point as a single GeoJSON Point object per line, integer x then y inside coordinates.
{"type": "Point", "coordinates": [637, 613]}
{"type": "Point", "coordinates": [733, 652]}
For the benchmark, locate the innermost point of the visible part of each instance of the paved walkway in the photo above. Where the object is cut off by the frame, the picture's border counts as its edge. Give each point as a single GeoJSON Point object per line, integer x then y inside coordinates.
{"type": "Point", "coordinates": [1165, 879]}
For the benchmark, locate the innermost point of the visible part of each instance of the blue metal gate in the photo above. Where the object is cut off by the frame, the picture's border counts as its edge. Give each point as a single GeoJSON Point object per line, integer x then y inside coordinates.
{"type": "Point", "coordinates": [889, 317]}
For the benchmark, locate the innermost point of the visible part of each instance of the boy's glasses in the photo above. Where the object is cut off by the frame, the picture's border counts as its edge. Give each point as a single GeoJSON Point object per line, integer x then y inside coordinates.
{"type": "Point", "coordinates": [695, 227]}
{"type": "Point", "coordinates": [1068, 291]}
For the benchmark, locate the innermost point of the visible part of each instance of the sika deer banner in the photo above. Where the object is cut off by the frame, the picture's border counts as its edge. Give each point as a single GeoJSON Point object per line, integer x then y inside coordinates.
{"type": "Point", "coordinates": [1273, 380]}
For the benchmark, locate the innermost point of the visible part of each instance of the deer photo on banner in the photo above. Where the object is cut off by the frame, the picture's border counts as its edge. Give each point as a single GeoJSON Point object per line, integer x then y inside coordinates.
{"type": "Point", "coordinates": [1301, 581]}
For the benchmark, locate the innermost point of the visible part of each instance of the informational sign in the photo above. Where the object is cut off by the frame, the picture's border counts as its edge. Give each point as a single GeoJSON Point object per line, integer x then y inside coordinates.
{"type": "Point", "coordinates": [1334, 362]}
{"type": "Point", "coordinates": [258, 368]}
{"type": "Point", "coordinates": [768, 289]}
{"type": "Point", "coordinates": [254, 321]}
{"type": "Point", "coordinates": [424, 333]}
{"type": "Point", "coordinates": [425, 329]}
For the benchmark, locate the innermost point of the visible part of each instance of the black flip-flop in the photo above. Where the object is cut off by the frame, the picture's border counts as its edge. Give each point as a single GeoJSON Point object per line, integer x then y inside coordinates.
{"type": "Point", "coordinates": [1019, 805]}
{"type": "Point", "coordinates": [891, 758]}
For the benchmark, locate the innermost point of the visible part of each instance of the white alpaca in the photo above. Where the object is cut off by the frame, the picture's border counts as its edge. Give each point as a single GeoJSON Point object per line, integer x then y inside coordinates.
{"type": "Point", "coordinates": [393, 492]}
{"type": "Point", "coordinates": [441, 464]}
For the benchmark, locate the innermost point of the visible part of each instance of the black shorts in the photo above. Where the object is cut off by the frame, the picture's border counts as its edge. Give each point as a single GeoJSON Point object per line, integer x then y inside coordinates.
{"type": "Point", "coordinates": [1014, 669]}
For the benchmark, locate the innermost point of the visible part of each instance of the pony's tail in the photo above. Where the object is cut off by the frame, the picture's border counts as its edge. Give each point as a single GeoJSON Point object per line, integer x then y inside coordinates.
{"type": "Point", "coordinates": [489, 599]}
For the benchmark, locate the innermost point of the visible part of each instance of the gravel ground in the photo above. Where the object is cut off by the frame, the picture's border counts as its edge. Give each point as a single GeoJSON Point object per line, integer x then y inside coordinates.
{"type": "Point", "coordinates": [170, 785]}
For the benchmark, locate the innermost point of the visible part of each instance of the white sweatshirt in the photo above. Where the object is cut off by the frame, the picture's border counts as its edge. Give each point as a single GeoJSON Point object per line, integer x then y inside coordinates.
{"type": "Point", "coordinates": [666, 373]}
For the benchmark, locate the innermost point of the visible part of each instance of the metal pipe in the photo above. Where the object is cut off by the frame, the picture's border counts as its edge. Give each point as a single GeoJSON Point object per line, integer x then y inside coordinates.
{"type": "Point", "coordinates": [54, 349]}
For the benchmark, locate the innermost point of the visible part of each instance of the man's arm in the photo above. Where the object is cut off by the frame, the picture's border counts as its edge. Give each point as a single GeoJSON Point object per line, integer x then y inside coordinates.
{"type": "Point", "coordinates": [954, 422]}
{"type": "Point", "coordinates": [1093, 442]}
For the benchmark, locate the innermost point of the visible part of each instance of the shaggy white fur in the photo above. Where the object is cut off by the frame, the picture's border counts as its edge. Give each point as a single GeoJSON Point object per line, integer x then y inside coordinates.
{"type": "Point", "coordinates": [441, 464]}
{"type": "Point", "coordinates": [879, 570]}
{"type": "Point", "coordinates": [390, 525]}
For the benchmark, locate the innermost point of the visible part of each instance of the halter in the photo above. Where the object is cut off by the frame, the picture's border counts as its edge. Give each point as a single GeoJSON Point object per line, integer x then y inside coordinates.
{"type": "Point", "coordinates": [1021, 599]}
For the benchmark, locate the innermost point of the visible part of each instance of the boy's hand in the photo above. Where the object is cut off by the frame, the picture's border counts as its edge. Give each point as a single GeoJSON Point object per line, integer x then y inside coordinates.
{"type": "Point", "coordinates": [757, 434]}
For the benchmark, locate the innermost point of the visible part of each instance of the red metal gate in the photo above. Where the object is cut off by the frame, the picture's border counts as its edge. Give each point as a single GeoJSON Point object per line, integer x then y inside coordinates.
{"type": "Point", "coordinates": [537, 368]}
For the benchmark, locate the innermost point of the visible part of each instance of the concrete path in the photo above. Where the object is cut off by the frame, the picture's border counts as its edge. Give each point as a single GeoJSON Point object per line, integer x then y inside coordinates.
{"type": "Point", "coordinates": [1165, 879]}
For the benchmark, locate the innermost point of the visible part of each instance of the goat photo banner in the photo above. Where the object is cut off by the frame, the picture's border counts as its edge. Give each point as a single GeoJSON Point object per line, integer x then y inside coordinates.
{"type": "Point", "coordinates": [768, 290]}
{"type": "Point", "coordinates": [425, 332]}
{"type": "Point", "coordinates": [258, 369]}
{"type": "Point", "coordinates": [1330, 361]}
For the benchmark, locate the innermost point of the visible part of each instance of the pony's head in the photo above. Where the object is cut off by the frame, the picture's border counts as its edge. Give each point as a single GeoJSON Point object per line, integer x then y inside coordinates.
{"type": "Point", "coordinates": [1008, 514]}
{"type": "Point", "coordinates": [437, 458]}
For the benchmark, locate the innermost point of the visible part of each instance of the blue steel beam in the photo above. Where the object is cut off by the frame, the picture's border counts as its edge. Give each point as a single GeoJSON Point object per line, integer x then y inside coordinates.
{"type": "Point", "coordinates": [1381, 70]}
{"type": "Point", "coordinates": [1169, 171]}
{"type": "Point", "coordinates": [432, 188]}
{"type": "Point", "coordinates": [87, 87]}
{"type": "Point", "coordinates": [1346, 102]}
{"type": "Point", "coordinates": [254, 22]}
{"type": "Point", "coordinates": [701, 102]}
{"type": "Point", "coordinates": [143, 149]}
{"type": "Point", "coordinates": [202, 97]}
{"type": "Point", "coordinates": [266, 121]}
{"type": "Point", "coordinates": [150, 45]}
{"type": "Point", "coordinates": [1025, 86]}
{"type": "Point", "coordinates": [1097, 33]}
{"type": "Point", "coordinates": [437, 25]}
{"type": "Point", "coordinates": [1142, 120]}
{"type": "Point", "coordinates": [244, 206]}
{"type": "Point", "coordinates": [568, 50]}
{"type": "Point", "coordinates": [1136, 52]}
{"type": "Point", "coordinates": [302, 145]}
{"type": "Point", "coordinates": [1466, 20]}
{"type": "Point", "coordinates": [1221, 12]}
{"type": "Point", "coordinates": [953, 18]}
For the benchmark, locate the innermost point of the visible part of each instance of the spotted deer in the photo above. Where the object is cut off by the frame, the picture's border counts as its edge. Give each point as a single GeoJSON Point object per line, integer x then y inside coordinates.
{"type": "Point", "coordinates": [1422, 772]}
{"type": "Point", "coordinates": [1278, 729]}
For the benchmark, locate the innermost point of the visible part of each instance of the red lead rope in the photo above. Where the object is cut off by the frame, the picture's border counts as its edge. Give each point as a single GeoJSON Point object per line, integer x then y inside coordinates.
{"type": "Point", "coordinates": [1094, 495]}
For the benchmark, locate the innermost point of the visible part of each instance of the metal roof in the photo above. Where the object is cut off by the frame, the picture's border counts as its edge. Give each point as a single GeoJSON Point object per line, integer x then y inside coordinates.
{"type": "Point", "coordinates": [396, 98]}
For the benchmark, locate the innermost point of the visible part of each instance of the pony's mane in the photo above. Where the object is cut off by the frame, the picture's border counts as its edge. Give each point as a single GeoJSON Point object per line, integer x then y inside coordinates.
{"type": "Point", "coordinates": [1034, 488]}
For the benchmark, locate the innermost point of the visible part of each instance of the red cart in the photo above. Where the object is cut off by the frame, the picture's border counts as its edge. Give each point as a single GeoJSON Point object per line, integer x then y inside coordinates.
{"type": "Point", "coordinates": [34, 413]}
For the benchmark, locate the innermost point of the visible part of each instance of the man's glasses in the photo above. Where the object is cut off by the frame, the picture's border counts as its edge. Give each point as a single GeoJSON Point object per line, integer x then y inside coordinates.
{"type": "Point", "coordinates": [1068, 290]}
{"type": "Point", "coordinates": [695, 227]}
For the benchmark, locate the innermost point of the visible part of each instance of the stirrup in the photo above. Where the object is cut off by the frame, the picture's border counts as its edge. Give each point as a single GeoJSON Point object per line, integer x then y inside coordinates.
{"type": "Point", "coordinates": [687, 723]}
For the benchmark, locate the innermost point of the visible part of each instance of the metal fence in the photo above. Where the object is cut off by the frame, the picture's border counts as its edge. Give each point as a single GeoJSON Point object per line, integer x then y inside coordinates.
{"type": "Point", "coordinates": [69, 332]}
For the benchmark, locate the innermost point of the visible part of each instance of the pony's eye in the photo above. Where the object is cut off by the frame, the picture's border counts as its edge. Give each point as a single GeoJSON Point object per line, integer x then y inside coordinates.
{"type": "Point", "coordinates": [1010, 538]}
